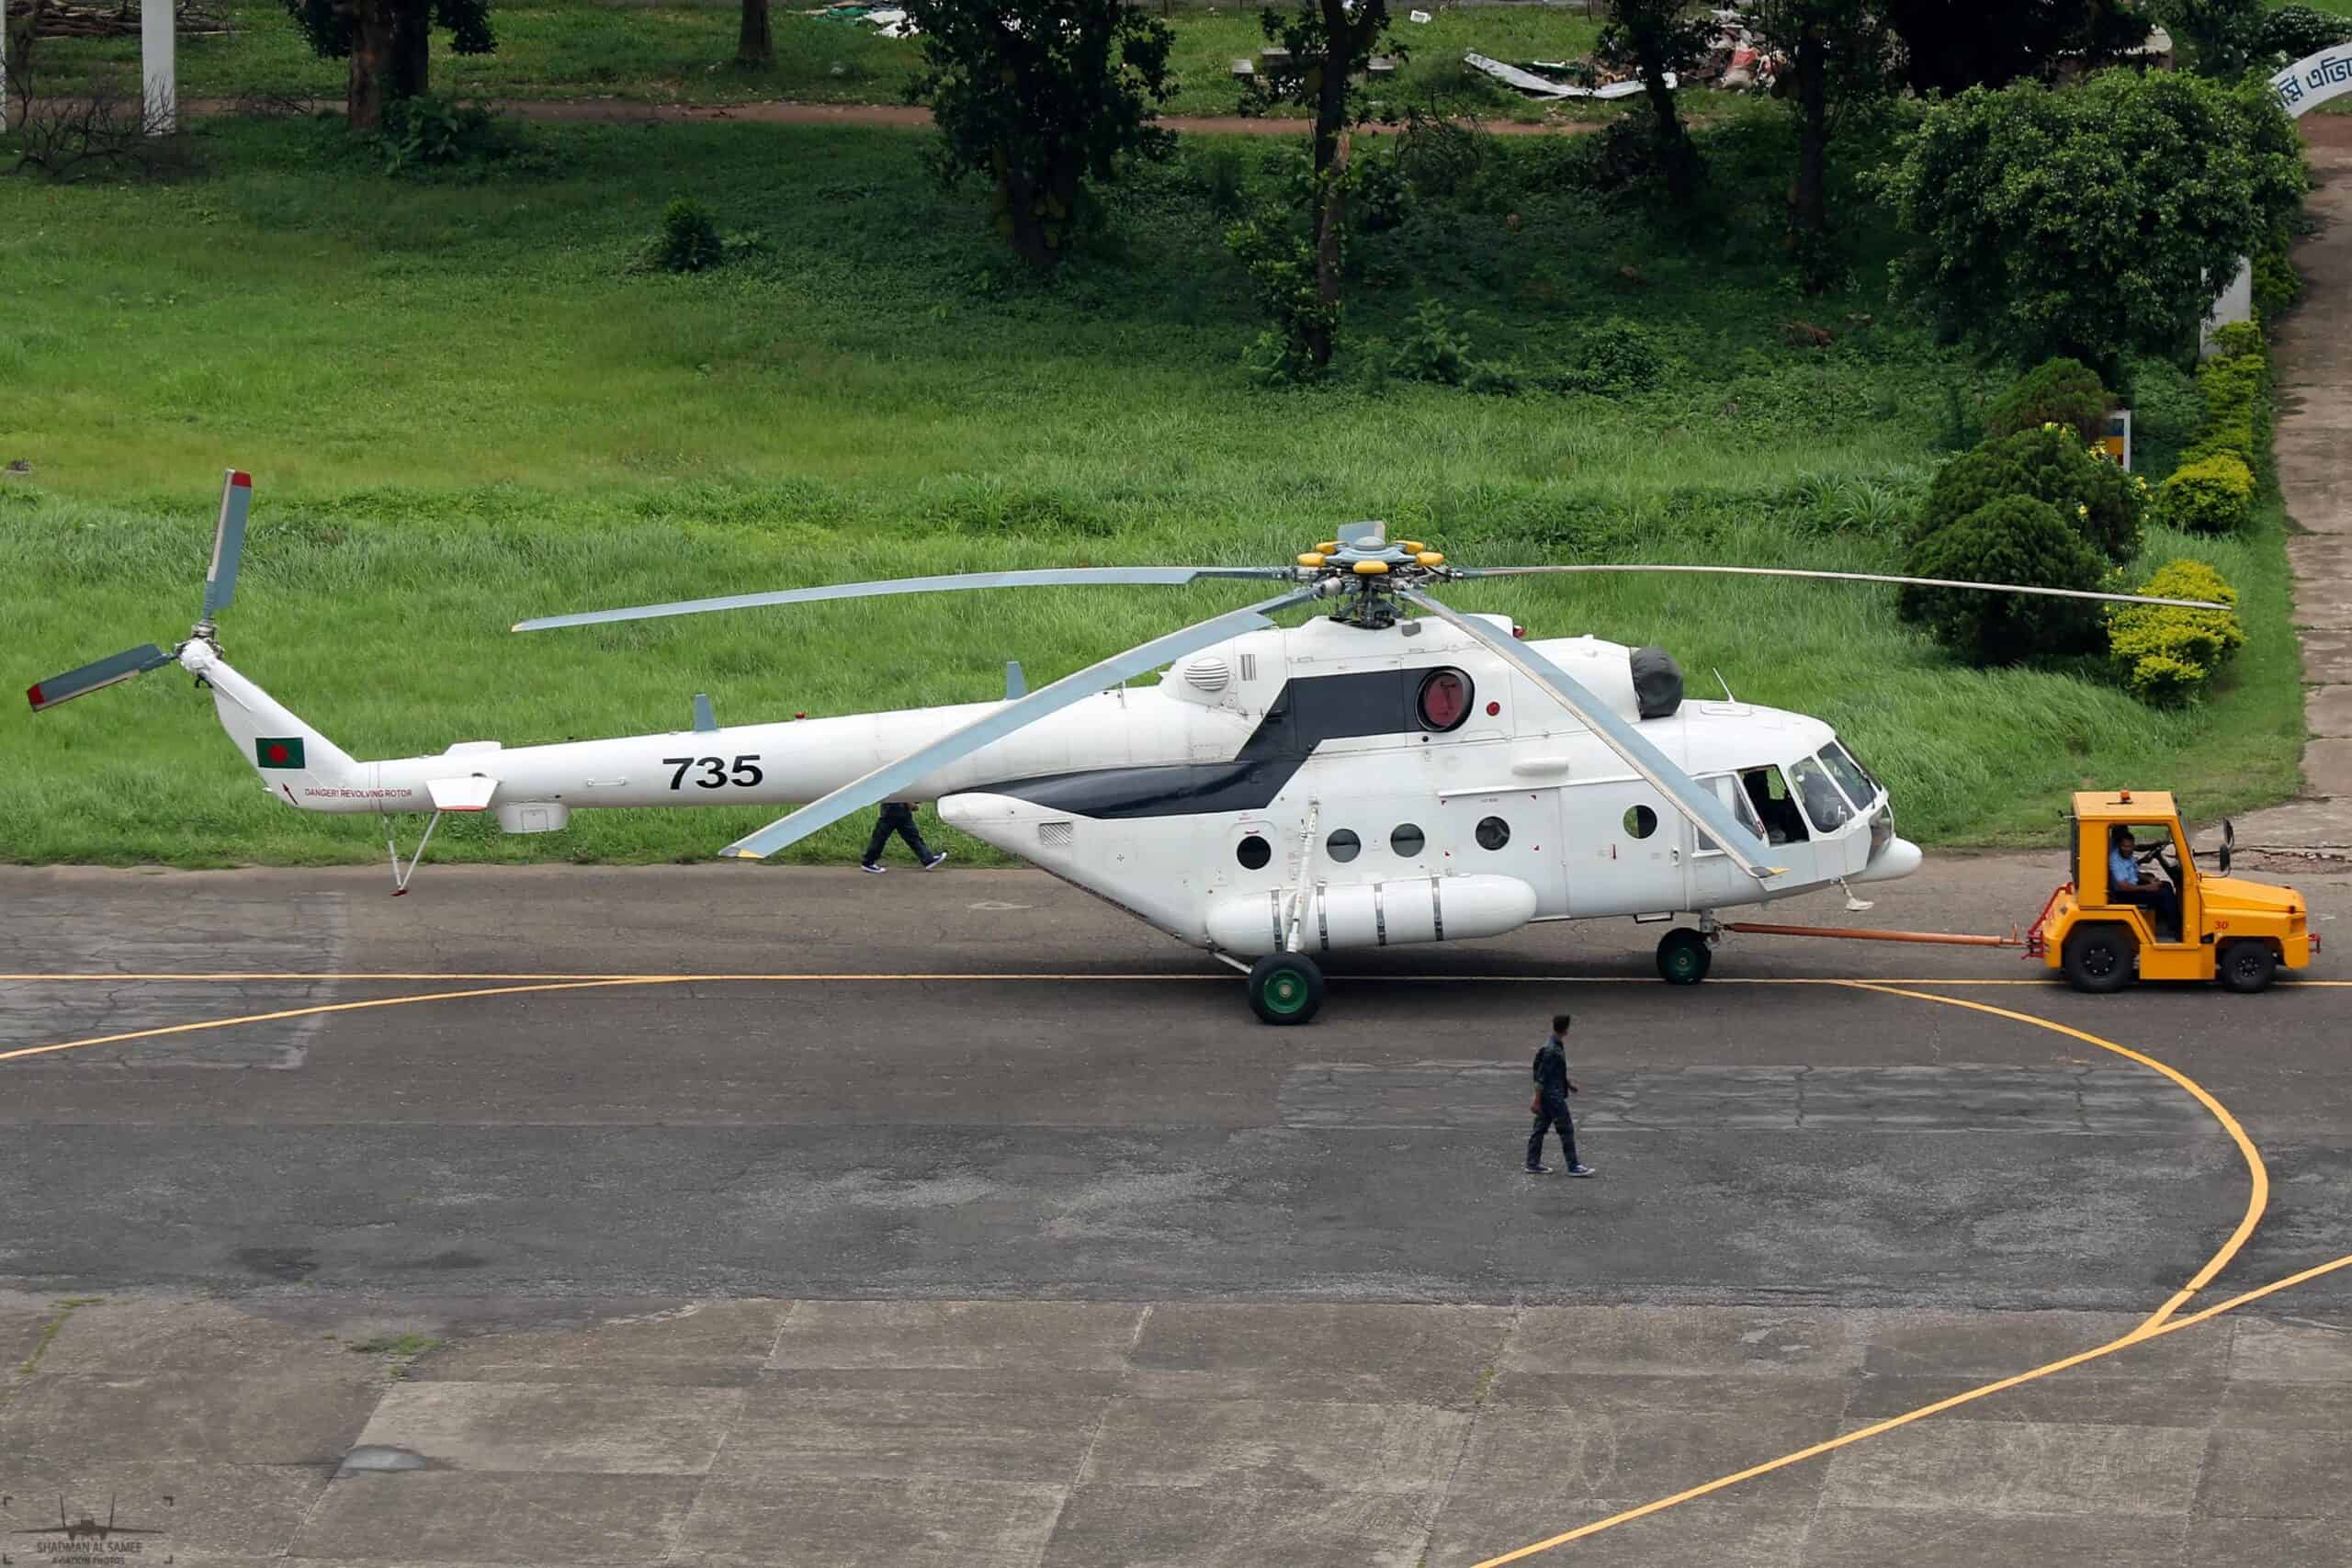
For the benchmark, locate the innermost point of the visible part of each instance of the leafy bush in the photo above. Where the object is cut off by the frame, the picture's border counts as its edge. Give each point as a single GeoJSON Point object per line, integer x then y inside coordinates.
{"type": "Point", "coordinates": [2238, 420]}
{"type": "Point", "coordinates": [2210, 495]}
{"type": "Point", "coordinates": [1970, 481]}
{"type": "Point", "coordinates": [2015, 540]}
{"type": "Point", "coordinates": [2165, 655]}
{"type": "Point", "coordinates": [1282, 269]}
{"type": "Point", "coordinates": [425, 135]}
{"type": "Point", "coordinates": [1221, 175]}
{"type": "Point", "coordinates": [1438, 349]}
{"type": "Point", "coordinates": [2087, 223]}
{"type": "Point", "coordinates": [2277, 284]}
{"type": "Point", "coordinates": [2062, 391]}
{"type": "Point", "coordinates": [2095, 498]}
{"type": "Point", "coordinates": [1379, 196]}
{"type": "Point", "coordinates": [2294, 32]}
{"type": "Point", "coordinates": [689, 240]}
{"type": "Point", "coordinates": [1613, 359]}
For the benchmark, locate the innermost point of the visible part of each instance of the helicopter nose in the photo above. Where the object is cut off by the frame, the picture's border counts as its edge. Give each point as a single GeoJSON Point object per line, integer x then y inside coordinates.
{"type": "Point", "coordinates": [1897, 857]}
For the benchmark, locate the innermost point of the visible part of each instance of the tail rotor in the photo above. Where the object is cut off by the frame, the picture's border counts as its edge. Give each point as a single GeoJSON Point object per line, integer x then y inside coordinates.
{"type": "Point", "coordinates": [220, 587]}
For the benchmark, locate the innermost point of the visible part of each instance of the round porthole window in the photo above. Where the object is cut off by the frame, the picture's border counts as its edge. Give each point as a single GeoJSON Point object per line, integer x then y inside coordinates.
{"type": "Point", "coordinates": [1493, 833]}
{"type": "Point", "coordinates": [1253, 853]}
{"type": "Point", "coordinates": [1445, 700]}
{"type": "Point", "coordinates": [1640, 821]}
{"type": "Point", "coordinates": [1343, 845]}
{"type": "Point", "coordinates": [1407, 841]}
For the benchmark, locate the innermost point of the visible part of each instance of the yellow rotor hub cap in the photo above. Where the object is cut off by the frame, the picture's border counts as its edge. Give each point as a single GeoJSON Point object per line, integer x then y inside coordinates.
{"type": "Point", "coordinates": [1370, 568]}
{"type": "Point", "coordinates": [1312, 558]}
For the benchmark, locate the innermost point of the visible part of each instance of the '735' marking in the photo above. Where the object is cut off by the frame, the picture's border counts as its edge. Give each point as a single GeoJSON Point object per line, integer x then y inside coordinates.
{"type": "Point", "coordinates": [715, 773]}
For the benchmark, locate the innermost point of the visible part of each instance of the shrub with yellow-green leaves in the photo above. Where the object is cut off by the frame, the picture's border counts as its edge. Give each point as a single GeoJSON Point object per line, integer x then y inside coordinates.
{"type": "Point", "coordinates": [2211, 495]}
{"type": "Point", "coordinates": [2165, 654]}
{"type": "Point", "coordinates": [2236, 413]}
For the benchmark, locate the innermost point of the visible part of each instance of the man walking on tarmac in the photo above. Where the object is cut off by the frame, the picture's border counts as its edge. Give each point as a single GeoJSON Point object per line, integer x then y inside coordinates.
{"type": "Point", "coordinates": [1551, 1102]}
{"type": "Point", "coordinates": [898, 816]}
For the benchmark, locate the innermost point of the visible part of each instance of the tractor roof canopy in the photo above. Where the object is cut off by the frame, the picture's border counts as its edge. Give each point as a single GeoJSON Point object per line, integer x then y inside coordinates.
{"type": "Point", "coordinates": [2126, 806]}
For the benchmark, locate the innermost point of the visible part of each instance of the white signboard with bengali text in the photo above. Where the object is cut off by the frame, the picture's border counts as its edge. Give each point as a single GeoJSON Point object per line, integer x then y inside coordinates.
{"type": "Point", "coordinates": [2312, 80]}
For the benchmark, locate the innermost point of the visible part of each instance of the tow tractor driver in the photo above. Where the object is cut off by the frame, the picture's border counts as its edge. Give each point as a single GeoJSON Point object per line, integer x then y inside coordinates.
{"type": "Point", "coordinates": [2126, 886]}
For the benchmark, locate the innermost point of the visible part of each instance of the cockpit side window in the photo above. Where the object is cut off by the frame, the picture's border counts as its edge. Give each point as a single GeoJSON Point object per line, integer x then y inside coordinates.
{"type": "Point", "coordinates": [1828, 809]}
{"type": "Point", "coordinates": [1729, 790]}
{"type": "Point", "coordinates": [1767, 792]}
{"type": "Point", "coordinates": [1859, 785]}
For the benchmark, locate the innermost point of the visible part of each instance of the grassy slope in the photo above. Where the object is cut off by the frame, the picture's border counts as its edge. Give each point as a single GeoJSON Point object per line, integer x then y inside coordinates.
{"type": "Point", "coordinates": [577, 48]}
{"type": "Point", "coordinates": [461, 408]}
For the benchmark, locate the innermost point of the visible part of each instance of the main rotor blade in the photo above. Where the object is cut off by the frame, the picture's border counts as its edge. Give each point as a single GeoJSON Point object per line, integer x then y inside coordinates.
{"type": "Point", "coordinates": [1841, 577]}
{"type": "Point", "coordinates": [90, 677]}
{"type": "Point", "coordinates": [1057, 577]}
{"type": "Point", "coordinates": [1695, 802]}
{"type": "Point", "coordinates": [884, 782]}
{"type": "Point", "coordinates": [227, 542]}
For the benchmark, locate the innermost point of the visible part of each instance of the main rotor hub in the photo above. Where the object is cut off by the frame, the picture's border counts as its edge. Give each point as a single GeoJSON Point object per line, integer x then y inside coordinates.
{"type": "Point", "coordinates": [1365, 571]}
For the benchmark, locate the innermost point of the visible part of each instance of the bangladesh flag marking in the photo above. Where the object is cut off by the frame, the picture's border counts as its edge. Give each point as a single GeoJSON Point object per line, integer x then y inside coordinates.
{"type": "Point", "coordinates": [275, 754]}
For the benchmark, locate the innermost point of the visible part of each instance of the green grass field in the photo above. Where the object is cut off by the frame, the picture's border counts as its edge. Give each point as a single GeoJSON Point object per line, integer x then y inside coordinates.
{"type": "Point", "coordinates": [463, 406]}
{"type": "Point", "coordinates": [684, 53]}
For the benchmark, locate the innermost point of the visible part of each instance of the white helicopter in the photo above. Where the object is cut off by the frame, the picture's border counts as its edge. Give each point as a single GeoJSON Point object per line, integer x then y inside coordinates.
{"type": "Point", "coordinates": [1366, 779]}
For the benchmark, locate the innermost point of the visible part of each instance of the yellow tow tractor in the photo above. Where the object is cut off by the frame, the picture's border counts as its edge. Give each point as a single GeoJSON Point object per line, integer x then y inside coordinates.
{"type": "Point", "coordinates": [2170, 922]}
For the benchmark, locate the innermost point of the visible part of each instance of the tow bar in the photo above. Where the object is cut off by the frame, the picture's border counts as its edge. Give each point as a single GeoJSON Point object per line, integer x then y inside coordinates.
{"type": "Point", "coordinates": [1949, 939]}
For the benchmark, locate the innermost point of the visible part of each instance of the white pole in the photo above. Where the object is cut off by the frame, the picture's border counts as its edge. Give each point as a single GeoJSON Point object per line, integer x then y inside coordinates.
{"type": "Point", "coordinates": [157, 68]}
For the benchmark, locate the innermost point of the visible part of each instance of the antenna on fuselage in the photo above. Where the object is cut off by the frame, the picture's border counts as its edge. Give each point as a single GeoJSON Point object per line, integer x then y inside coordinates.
{"type": "Point", "coordinates": [1724, 683]}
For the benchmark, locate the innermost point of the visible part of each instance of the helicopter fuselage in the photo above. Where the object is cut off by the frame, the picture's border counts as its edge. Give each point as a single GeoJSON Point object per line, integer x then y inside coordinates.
{"type": "Point", "coordinates": [1324, 786]}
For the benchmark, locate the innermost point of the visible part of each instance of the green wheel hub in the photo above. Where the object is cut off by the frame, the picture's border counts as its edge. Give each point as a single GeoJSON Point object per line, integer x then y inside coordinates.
{"type": "Point", "coordinates": [1286, 991]}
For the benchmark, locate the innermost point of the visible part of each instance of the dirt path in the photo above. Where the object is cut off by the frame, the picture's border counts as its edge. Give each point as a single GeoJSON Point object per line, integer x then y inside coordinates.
{"type": "Point", "coordinates": [2314, 371]}
{"type": "Point", "coordinates": [622, 111]}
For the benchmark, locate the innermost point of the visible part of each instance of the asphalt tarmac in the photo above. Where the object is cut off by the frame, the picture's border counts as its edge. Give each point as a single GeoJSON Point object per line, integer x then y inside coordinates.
{"type": "Point", "coordinates": [859, 1115]}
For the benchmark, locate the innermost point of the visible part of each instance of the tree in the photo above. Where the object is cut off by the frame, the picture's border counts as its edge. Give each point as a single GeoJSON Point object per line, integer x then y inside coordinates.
{"type": "Point", "coordinates": [1041, 96]}
{"type": "Point", "coordinates": [1330, 43]}
{"type": "Point", "coordinates": [1661, 37]}
{"type": "Point", "coordinates": [1840, 56]}
{"type": "Point", "coordinates": [753, 43]}
{"type": "Point", "coordinates": [2092, 222]}
{"type": "Point", "coordinates": [1949, 46]}
{"type": "Point", "coordinates": [388, 45]}
{"type": "Point", "coordinates": [2225, 35]}
{"type": "Point", "coordinates": [2014, 539]}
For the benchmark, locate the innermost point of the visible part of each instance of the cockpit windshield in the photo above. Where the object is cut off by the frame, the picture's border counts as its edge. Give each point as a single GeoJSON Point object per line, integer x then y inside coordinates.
{"type": "Point", "coordinates": [1852, 777]}
{"type": "Point", "coordinates": [1827, 809]}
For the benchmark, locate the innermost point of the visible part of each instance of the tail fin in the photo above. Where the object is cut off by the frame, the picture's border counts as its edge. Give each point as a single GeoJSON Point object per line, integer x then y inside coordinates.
{"type": "Point", "coordinates": [295, 762]}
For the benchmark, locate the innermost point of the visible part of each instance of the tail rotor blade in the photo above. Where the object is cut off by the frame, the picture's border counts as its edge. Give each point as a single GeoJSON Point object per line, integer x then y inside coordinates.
{"type": "Point", "coordinates": [1836, 577]}
{"type": "Point", "coordinates": [1171, 576]}
{"type": "Point", "coordinates": [90, 677]}
{"type": "Point", "coordinates": [227, 542]}
{"type": "Point", "coordinates": [885, 782]}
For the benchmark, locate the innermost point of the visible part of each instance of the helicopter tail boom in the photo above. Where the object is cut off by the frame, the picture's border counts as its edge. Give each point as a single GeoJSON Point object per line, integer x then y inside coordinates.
{"type": "Point", "coordinates": [294, 761]}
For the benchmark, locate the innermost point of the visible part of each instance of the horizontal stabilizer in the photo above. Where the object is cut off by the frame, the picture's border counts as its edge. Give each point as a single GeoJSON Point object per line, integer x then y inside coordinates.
{"type": "Point", "coordinates": [90, 677]}
{"type": "Point", "coordinates": [470, 793]}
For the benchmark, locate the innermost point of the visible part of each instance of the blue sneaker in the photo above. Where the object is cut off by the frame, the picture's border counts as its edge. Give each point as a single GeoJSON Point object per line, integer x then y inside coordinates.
{"type": "Point", "coordinates": [1580, 1170]}
{"type": "Point", "coordinates": [872, 870]}
{"type": "Point", "coordinates": [935, 862]}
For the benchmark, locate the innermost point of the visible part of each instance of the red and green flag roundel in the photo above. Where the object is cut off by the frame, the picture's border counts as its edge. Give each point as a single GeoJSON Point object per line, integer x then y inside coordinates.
{"type": "Point", "coordinates": [278, 753]}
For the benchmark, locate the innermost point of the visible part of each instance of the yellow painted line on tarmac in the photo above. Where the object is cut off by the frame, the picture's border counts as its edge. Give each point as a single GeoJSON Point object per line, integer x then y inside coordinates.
{"type": "Point", "coordinates": [2139, 1336]}
{"type": "Point", "coordinates": [2258, 1196]}
{"type": "Point", "coordinates": [2162, 1321]}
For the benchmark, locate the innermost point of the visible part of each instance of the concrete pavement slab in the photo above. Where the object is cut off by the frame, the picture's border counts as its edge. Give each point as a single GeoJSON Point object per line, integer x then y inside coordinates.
{"type": "Point", "coordinates": [1718, 1532]}
{"type": "Point", "coordinates": [2287, 1407]}
{"type": "Point", "coordinates": [2183, 1399]}
{"type": "Point", "coordinates": [2014, 1468]}
{"type": "Point", "coordinates": [1182, 1527]}
{"type": "Point", "coordinates": [2288, 1352]}
{"type": "Point", "coordinates": [717, 1344]}
{"type": "Point", "coordinates": [1420, 1355]}
{"type": "Point", "coordinates": [1560, 1461]}
{"type": "Point", "coordinates": [435, 1516]}
{"type": "Point", "coordinates": [1230, 1444]}
{"type": "Point", "coordinates": [1684, 1341]}
{"type": "Point", "coordinates": [911, 1335]}
{"type": "Point", "coordinates": [1873, 1537]}
{"type": "Point", "coordinates": [134, 1336]}
{"type": "Point", "coordinates": [2327, 711]}
{"type": "Point", "coordinates": [1994, 1344]}
{"type": "Point", "coordinates": [202, 1510]}
{"type": "Point", "coordinates": [2277, 1474]}
{"type": "Point", "coordinates": [2268, 1543]}
{"type": "Point", "coordinates": [540, 1427]}
{"type": "Point", "coordinates": [278, 1417]}
{"type": "Point", "coordinates": [872, 1434]}
{"type": "Point", "coordinates": [940, 1523]}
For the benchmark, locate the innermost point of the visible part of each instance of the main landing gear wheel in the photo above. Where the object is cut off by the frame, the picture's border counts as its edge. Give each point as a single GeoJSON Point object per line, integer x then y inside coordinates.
{"type": "Point", "coordinates": [1286, 987]}
{"type": "Point", "coordinates": [2100, 958]}
{"type": "Point", "coordinates": [2246, 965]}
{"type": "Point", "coordinates": [1683, 956]}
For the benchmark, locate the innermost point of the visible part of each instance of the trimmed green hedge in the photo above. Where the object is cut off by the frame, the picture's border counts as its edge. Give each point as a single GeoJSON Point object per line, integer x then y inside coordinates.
{"type": "Point", "coordinates": [2166, 655]}
{"type": "Point", "coordinates": [2209, 495]}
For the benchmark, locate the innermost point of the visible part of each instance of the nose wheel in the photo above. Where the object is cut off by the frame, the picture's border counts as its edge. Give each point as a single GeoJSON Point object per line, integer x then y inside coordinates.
{"type": "Point", "coordinates": [1683, 956]}
{"type": "Point", "coordinates": [1286, 987]}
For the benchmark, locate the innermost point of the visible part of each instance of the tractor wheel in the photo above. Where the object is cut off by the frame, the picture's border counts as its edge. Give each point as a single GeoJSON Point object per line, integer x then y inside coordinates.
{"type": "Point", "coordinates": [1683, 956]}
{"type": "Point", "coordinates": [1286, 987]}
{"type": "Point", "coordinates": [2100, 958]}
{"type": "Point", "coordinates": [2245, 965]}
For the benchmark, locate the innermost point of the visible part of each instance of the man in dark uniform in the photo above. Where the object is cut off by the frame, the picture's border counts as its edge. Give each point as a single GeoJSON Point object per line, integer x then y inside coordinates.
{"type": "Point", "coordinates": [898, 818]}
{"type": "Point", "coordinates": [1551, 1102]}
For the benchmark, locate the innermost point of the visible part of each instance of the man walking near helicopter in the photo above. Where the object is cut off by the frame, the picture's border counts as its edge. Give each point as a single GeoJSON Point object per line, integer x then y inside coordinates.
{"type": "Point", "coordinates": [898, 816]}
{"type": "Point", "coordinates": [1550, 1104]}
